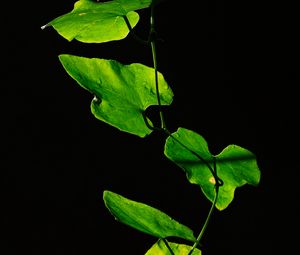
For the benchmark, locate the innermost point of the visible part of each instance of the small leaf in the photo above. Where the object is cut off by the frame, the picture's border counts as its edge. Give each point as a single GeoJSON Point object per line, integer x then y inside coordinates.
{"type": "Point", "coordinates": [93, 22]}
{"type": "Point", "coordinates": [160, 248]}
{"type": "Point", "coordinates": [235, 165]}
{"type": "Point", "coordinates": [145, 218]}
{"type": "Point", "coordinates": [122, 92]}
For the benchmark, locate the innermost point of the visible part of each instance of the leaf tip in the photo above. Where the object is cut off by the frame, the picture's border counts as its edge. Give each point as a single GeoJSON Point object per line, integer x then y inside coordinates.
{"type": "Point", "coordinates": [45, 26]}
{"type": "Point", "coordinates": [105, 194]}
{"type": "Point", "coordinates": [63, 57]}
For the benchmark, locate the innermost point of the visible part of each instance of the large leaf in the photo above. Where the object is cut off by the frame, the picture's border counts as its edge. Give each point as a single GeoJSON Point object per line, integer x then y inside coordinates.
{"type": "Point", "coordinates": [235, 165]}
{"type": "Point", "coordinates": [122, 92]}
{"type": "Point", "coordinates": [93, 22]}
{"type": "Point", "coordinates": [145, 218]}
{"type": "Point", "coordinates": [160, 248]}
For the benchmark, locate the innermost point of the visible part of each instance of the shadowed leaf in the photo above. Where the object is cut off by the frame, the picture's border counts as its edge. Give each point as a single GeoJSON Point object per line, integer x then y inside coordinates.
{"type": "Point", "coordinates": [235, 165]}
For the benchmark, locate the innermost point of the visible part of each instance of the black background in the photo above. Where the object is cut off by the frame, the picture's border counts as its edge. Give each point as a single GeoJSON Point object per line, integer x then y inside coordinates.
{"type": "Point", "coordinates": [234, 72]}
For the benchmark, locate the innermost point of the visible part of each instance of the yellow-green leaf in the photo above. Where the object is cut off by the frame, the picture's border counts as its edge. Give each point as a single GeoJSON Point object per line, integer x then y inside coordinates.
{"type": "Point", "coordinates": [122, 92]}
{"type": "Point", "coordinates": [97, 22]}
{"type": "Point", "coordinates": [160, 248]}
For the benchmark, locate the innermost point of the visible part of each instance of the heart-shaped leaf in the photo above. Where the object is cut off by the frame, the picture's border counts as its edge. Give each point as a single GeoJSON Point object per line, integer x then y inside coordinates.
{"type": "Point", "coordinates": [235, 165]}
{"type": "Point", "coordinates": [160, 248]}
{"type": "Point", "coordinates": [122, 92]}
{"type": "Point", "coordinates": [145, 218]}
{"type": "Point", "coordinates": [93, 22]}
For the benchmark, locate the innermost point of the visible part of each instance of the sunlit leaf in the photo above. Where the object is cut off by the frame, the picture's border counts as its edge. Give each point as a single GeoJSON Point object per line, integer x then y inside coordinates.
{"type": "Point", "coordinates": [93, 22]}
{"type": "Point", "coordinates": [145, 218]}
{"type": "Point", "coordinates": [122, 92]}
{"type": "Point", "coordinates": [160, 248]}
{"type": "Point", "coordinates": [235, 165]}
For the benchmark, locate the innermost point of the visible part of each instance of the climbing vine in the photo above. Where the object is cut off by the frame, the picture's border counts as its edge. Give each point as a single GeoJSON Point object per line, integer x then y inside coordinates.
{"type": "Point", "coordinates": [121, 95]}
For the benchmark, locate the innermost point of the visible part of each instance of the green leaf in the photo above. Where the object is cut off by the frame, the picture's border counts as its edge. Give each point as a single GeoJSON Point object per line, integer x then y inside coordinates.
{"type": "Point", "coordinates": [145, 218]}
{"type": "Point", "coordinates": [160, 248]}
{"type": "Point", "coordinates": [93, 22]}
{"type": "Point", "coordinates": [122, 92]}
{"type": "Point", "coordinates": [235, 165]}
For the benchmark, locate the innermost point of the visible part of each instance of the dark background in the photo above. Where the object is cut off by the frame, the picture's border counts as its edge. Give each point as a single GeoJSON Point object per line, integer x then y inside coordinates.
{"type": "Point", "coordinates": [233, 69]}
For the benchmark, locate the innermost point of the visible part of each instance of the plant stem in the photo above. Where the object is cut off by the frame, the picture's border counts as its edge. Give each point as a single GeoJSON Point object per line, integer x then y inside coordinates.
{"type": "Point", "coordinates": [219, 182]}
{"type": "Point", "coordinates": [168, 246]}
{"type": "Point", "coordinates": [140, 40]}
{"type": "Point", "coordinates": [206, 221]}
{"type": "Point", "coordinates": [153, 49]}
{"type": "Point", "coordinates": [152, 40]}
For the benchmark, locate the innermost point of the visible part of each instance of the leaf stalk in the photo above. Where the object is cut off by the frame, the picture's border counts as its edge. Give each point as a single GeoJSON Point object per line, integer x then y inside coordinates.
{"type": "Point", "coordinates": [153, 39]}
{"type": "Point", "coordinates": [217, 186]}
